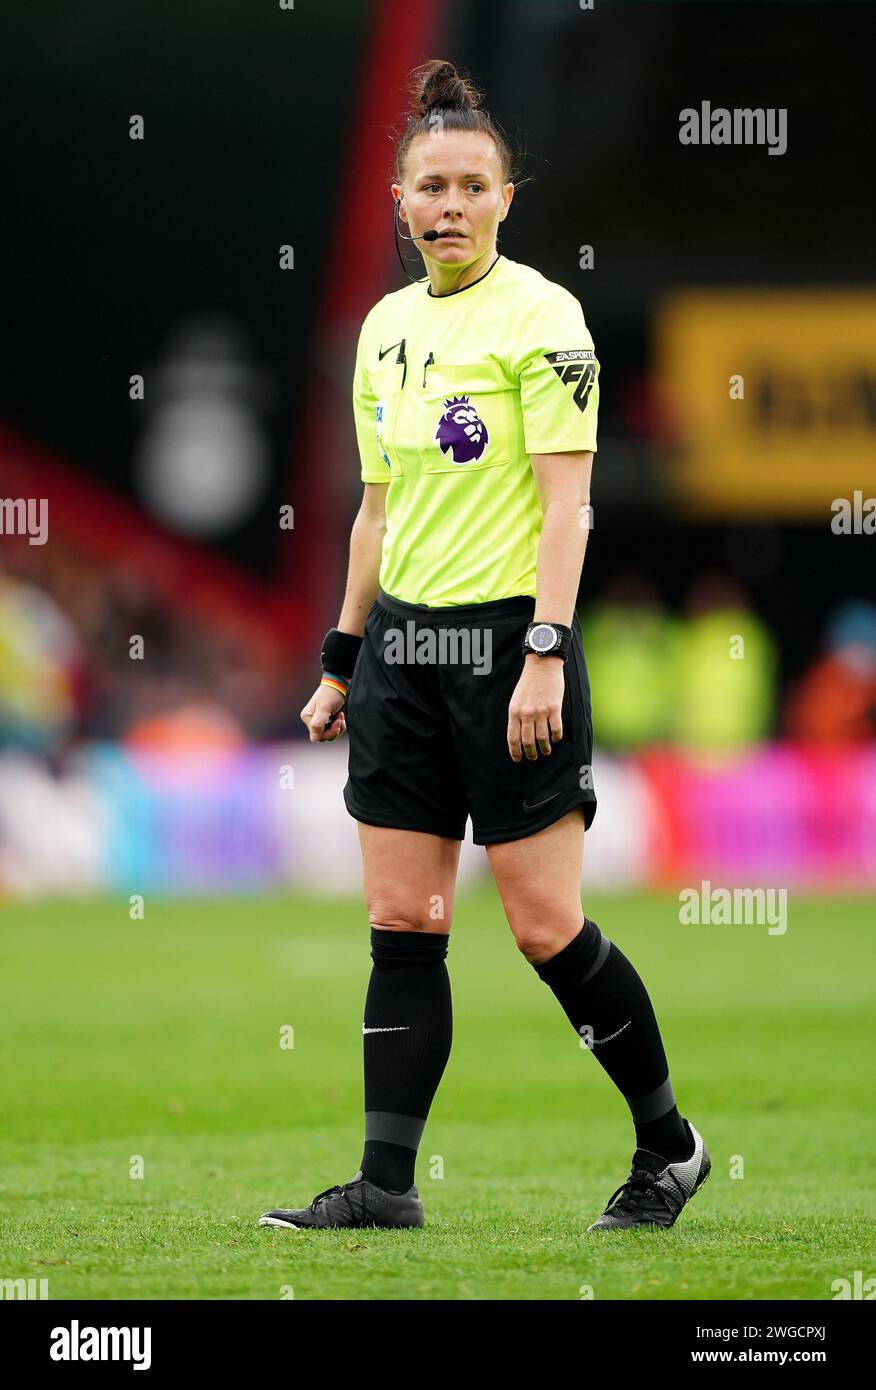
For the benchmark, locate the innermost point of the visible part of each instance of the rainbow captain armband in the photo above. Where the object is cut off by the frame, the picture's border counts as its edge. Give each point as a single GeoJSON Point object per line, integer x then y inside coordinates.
{"type": "Point", "coordinates": [335, 682]}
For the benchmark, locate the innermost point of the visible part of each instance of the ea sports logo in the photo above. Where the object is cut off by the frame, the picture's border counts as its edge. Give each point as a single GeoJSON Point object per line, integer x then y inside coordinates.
{"type": "Point", "coordinates": [461, 430]}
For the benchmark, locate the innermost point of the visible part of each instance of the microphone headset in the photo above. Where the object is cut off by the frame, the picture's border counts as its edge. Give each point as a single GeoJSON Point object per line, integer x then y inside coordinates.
{"type": "Point", "coordinates": [431, 235]}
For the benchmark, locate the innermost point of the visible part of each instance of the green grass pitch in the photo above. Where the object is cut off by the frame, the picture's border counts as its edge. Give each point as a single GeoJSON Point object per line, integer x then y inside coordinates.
{"type": "Point", "coordinates": [160, 1039]}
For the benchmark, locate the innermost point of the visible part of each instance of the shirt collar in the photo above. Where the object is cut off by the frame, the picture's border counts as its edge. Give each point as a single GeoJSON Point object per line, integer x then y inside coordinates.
{"type": "Point", "coordinates": [463, 288]}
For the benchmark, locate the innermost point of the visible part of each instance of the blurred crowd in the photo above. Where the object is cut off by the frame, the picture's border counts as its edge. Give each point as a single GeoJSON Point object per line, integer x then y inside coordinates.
{"type": "Point", "coordinates": [88, 652]}
{"type": "Point", "coordinates": [705, 677]}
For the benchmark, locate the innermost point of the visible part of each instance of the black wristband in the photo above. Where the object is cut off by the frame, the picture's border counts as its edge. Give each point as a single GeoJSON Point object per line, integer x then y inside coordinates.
{"type": "Point", "coordinates": [339, 652]}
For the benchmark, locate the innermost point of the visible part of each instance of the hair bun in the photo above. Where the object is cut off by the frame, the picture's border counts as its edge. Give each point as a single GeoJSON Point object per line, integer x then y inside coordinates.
{"type": "Point", "coordinates": [441, 88]}
{"type": "Point", "coordinates": [438, 84]}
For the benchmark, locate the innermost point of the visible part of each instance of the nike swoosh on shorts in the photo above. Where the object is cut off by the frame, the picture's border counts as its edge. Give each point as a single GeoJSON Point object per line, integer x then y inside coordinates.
{"type": "Point", "coordinates": [527, 806]}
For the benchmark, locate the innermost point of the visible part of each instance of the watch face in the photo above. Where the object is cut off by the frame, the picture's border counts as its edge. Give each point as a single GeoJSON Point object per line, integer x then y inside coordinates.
{"type": "Point", "coordinates": [543, 638]}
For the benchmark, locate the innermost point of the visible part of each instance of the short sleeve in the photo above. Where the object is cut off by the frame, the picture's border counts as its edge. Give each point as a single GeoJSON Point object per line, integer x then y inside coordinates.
{"type": "Point", "coordinates": [373, 467]}
{"type": "Point", "coordinates": [555, 363]}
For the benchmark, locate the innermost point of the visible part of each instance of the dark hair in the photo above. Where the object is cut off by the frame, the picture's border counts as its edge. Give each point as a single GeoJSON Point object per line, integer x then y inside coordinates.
{"type": "Point", "coordinates": [441, 93]}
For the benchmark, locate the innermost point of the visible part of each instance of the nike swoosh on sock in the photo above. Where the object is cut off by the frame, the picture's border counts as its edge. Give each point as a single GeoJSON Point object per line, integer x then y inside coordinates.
{"type": "Point", "coordinates": [612, 1035]}
{"type": "Point", "coordinates": [406, 1029]}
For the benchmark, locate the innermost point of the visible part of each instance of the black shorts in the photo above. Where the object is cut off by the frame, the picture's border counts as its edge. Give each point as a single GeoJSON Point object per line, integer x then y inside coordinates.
{"type": "Point", "coordinates": [428, 739]}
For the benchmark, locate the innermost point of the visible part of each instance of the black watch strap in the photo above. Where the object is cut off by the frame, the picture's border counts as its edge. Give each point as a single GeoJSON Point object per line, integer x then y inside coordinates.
{"type": "Point", "coordinates": [548, 639]}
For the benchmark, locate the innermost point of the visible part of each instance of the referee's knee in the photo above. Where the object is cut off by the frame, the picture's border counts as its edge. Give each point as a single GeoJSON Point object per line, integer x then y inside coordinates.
{"type": "Point", "coordinates": [398, 949]}
{"type": "Point", "coordinates": [413, 921]}
{"type": "Point", "coordinates": [543, 941]}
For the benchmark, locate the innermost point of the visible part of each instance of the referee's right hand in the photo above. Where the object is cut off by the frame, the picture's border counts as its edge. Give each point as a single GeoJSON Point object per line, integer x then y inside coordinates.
{"type": "Point", "coordinates": [323, 715]}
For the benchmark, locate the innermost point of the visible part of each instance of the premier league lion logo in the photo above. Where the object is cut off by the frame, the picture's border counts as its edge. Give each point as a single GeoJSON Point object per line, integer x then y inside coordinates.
{"type": "Point", "coordinates": [461, 430]}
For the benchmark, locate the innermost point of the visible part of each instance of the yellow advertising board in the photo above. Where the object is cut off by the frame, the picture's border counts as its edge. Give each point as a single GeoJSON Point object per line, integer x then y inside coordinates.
{"type": "Point", "coordinates": [772, 397]}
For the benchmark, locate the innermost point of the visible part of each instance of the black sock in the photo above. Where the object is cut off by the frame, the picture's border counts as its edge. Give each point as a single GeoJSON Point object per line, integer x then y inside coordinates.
{"type": "Point", "coordinates": [602, 993]}
{"type": "Point", "coordinates": [663, 1136]}
{"type": "Point", "coordinates": [409, 1010]}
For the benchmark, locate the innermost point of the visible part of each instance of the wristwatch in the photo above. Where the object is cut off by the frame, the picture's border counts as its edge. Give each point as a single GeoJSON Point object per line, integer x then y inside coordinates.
{"type": "Point", "coordinates": [548, 639]}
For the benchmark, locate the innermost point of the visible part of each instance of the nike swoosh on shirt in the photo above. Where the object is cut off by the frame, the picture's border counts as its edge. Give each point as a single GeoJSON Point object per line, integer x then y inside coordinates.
{"type": "Point", "coordinates": [406, 1029]}
{"type": "Point", "coordinates": [533, 806]}
{"type": "Point", "coordinates": [383, 351]}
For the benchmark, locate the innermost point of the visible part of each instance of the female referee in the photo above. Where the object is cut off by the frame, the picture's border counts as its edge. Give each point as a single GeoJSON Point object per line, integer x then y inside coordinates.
{"type": "Point", "coordinates": [459, 656]}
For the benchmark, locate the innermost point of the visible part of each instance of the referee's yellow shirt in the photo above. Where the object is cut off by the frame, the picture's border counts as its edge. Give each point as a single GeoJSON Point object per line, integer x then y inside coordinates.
{"type": "Point", "coordinates": [451, 396]}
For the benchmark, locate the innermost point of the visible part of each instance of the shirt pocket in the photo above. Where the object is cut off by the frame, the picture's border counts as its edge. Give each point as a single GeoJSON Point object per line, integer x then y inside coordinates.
{"type": "Point", "coordinates": [386, 385]}
{"type": "Point", "coordinates": [467, 418]}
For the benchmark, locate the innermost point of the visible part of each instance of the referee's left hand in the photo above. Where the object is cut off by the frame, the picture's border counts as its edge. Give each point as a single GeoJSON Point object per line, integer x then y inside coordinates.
{"type": "Point", "coordinates": [535, 714]}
